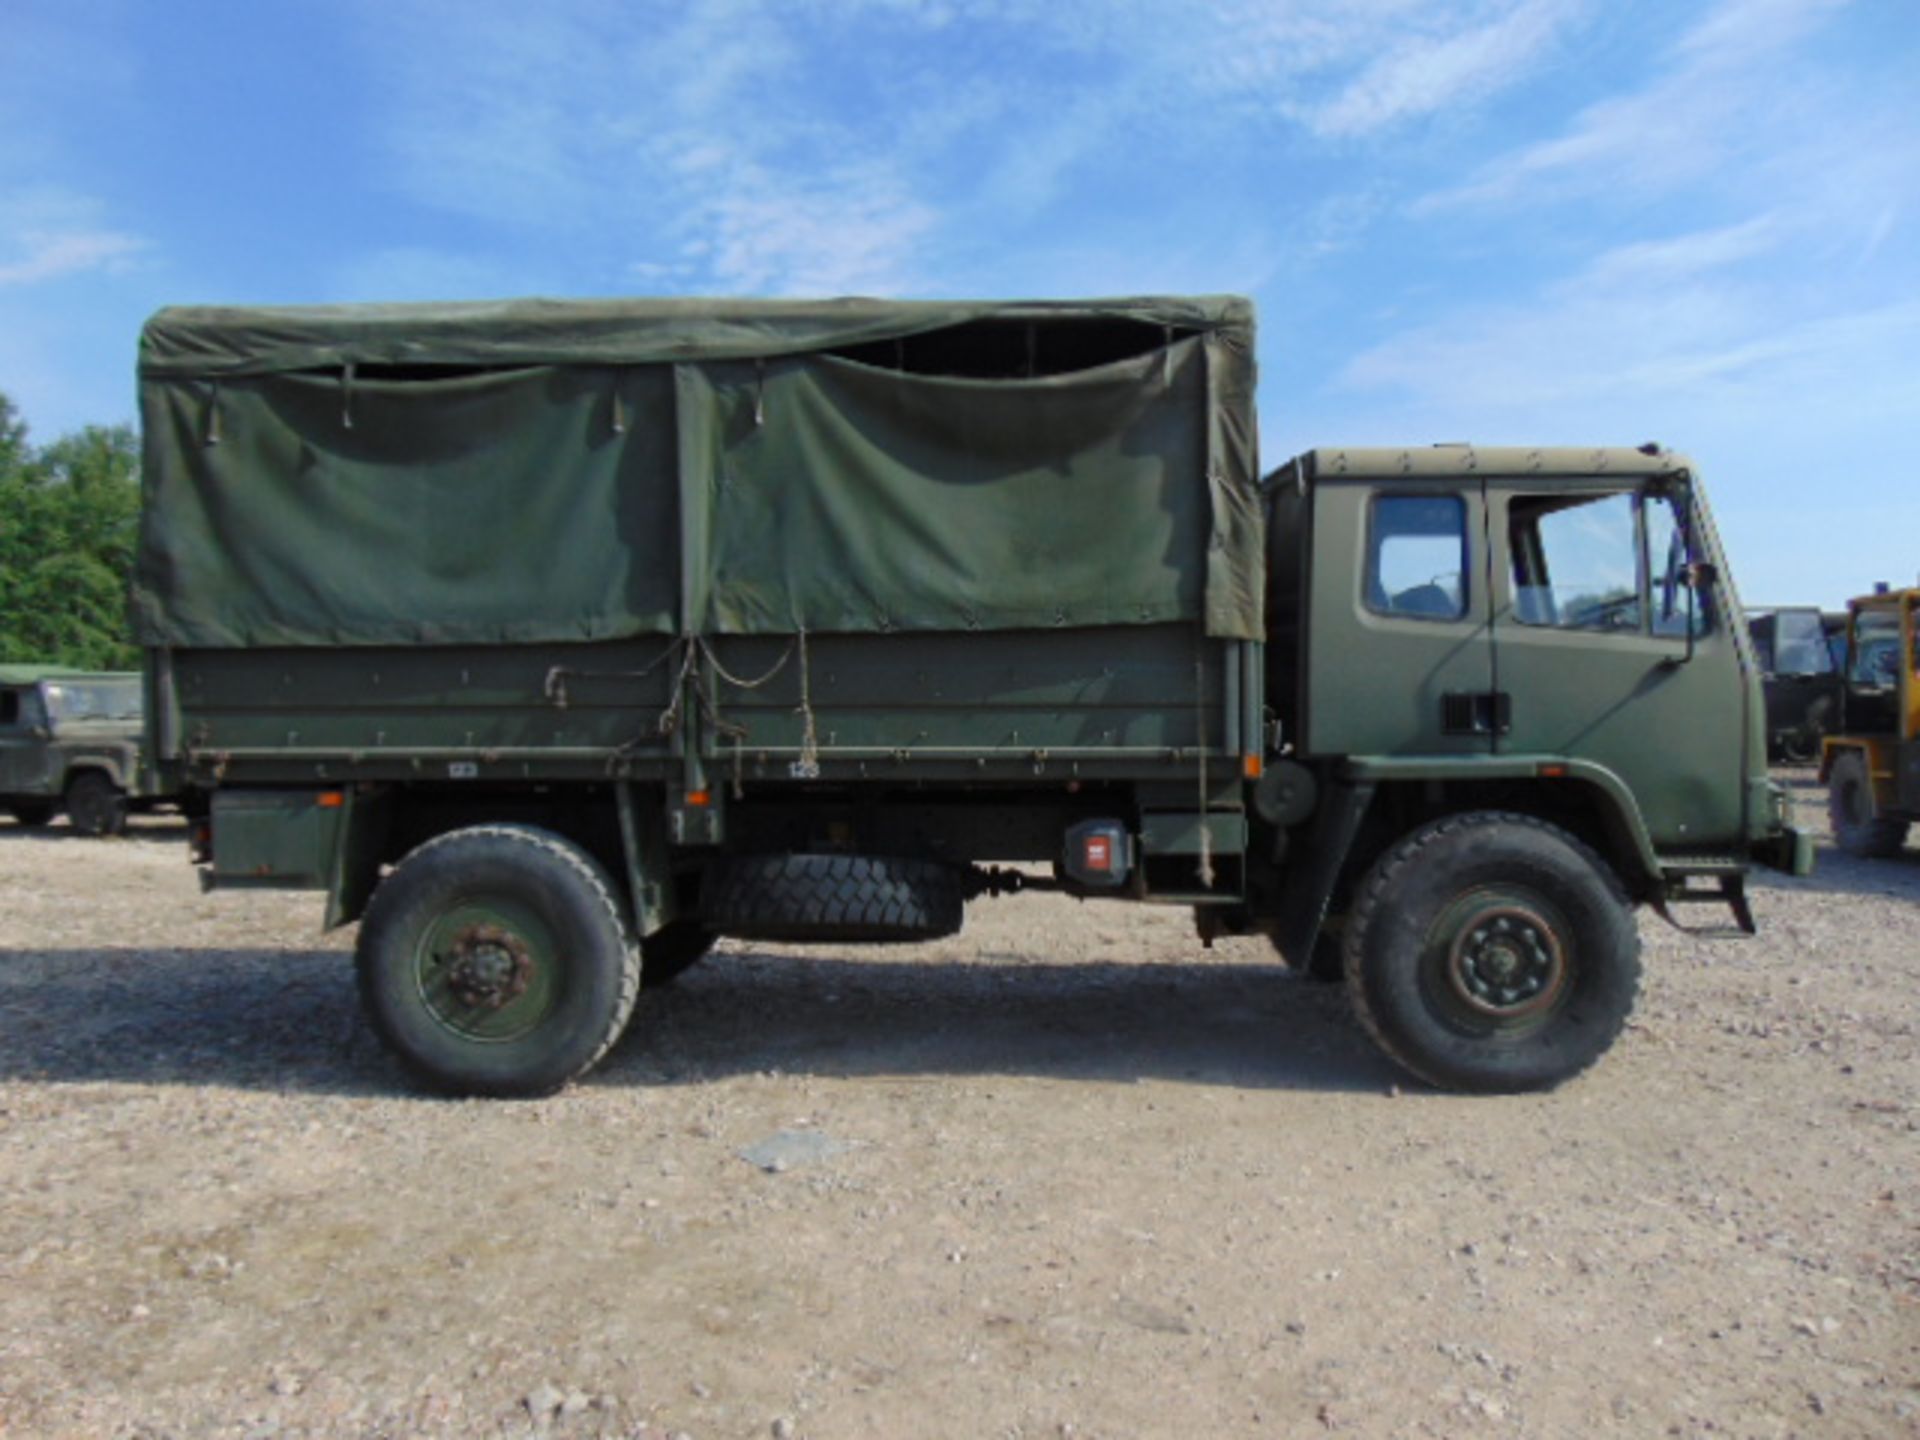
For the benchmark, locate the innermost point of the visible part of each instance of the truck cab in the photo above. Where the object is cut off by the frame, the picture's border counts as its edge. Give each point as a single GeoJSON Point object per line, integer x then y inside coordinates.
{"type": "Point", "coordinates": [1502, 617]}
{"type": "Point", "coordinates": [1802, 651]}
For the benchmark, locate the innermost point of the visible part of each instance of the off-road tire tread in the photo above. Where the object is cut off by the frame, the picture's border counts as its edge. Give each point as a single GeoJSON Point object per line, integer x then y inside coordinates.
{"type": "Point", "coordinates": [112, 819]}
{"type": "Point", "coordinates": [1876, 839]}
{"type": "Point", "coordinates": [1382, 880]}
{"type": "Point", "coordinates": [833, 898]}
{"type": "Point", "coordinates": [598, 885]}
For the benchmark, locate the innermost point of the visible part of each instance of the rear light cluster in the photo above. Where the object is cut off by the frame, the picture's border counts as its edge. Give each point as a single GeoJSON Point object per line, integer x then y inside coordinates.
{"type": "Point", "coordinates": [1099, 854]}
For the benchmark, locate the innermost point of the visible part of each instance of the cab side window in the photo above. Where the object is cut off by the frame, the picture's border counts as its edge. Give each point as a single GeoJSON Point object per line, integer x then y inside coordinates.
{"type": "Point", "coordinates": [1417, 557]}
{"type": "Point", "coordinates": [1576, 562]}
{"type": "Point", "coordinates": [1617, 562]}
{"type": "Point", "coordinates": [9, 709]}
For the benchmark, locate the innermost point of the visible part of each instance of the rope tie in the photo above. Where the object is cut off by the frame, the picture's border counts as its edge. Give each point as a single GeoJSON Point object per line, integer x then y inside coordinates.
{"type": "Point", "coordinates": [807, 767]}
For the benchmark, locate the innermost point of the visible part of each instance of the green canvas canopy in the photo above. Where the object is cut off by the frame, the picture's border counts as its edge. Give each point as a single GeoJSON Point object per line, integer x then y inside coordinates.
{"type": "Point", "coordinates": [534, 470]}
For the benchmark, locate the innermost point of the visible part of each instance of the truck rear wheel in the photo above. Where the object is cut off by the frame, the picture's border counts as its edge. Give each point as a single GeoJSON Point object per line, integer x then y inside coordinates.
{"type": "Point", "coordinates": [495, 960]}
{"type": "Point", "coordinates": [1856, 829]}
{"type": "Point", "coordinates": [1492, 952]}
{"type": "Point", "coordinates": [95, 805]}
{"type": "Point", "coordinates": [32, 812]}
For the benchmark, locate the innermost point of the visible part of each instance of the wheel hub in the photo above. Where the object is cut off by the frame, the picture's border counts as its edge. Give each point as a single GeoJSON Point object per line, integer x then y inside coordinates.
{"type": "Point", "coordinates": [487, 966]}
{"type": "Point", "coordinates": [1507, 962]}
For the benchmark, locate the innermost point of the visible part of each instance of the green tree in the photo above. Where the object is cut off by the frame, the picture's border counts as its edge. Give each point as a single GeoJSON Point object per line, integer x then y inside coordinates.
{"type": "Point", "coordinates": [69, 516]}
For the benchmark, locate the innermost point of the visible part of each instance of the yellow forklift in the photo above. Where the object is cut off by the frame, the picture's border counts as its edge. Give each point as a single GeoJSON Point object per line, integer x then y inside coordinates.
{"type": "Point", "coordinates": [1871, 764]}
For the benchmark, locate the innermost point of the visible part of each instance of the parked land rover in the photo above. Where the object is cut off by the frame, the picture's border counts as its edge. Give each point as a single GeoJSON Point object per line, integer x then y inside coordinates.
{"type": "Point", "coordinates": [73, 741]}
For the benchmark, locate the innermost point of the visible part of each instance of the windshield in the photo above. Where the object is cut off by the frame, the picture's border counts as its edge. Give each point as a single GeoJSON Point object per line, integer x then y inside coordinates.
{"type": "Point", "coordinates": [71, 700]}
{"type": "Point", "coordinates": [1876, 648]}
{"type": "Point", "coordinates": [1800, 644]}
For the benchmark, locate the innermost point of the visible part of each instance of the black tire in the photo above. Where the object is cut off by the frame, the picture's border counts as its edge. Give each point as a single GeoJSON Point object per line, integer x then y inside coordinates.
{"type": "Point", "coordinates": [1856, 829]}
{"type": "Point", "coordinates": [1492, 952]}
{"type": "Point", "coordinates": [1800, 747]}
{"type": "Point", "coordinates": [95, 805]}
{"type": "Point", "coordinates": [496, 960]}
{"type": "Point", "coordinates": [672, 950]}
{"type": "Point", "coordinates": [32, 812]}
{"type": "Point", "coordinates": [832, 898]}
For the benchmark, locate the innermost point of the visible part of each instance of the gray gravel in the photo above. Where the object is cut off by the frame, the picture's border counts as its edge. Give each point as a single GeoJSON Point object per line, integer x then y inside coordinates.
{"type": "Point", "coordinates": [1084, 1178]}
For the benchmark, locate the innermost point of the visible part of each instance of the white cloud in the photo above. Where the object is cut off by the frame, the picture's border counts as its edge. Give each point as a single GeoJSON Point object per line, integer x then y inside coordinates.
{"type": "Point", "coordinates": [1429, 73]}
{"type": "Point", "coordinates": [1691, 119]}
{"type": "Point", "coordinates": [860, 144]}
{"type": "Point", "coordinates": [47, 255]}
{"type": "Point", "coordinates": [1705, 314]}
{"type": "Point", "coordinates": [48, 234]}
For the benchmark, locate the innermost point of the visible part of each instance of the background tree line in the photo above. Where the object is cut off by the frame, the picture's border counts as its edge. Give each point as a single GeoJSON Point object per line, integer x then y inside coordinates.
{"type": "Point", "coordinates": [69, 513]}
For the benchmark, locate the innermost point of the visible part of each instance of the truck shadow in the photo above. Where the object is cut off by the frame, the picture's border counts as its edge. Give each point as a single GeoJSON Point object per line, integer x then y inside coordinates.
{"type": "Point", "coordinates": [290, 1021]}
{"type": "Point", "coordinates": [162, 828]}
{"type": "Point", "coordinates": [1244, 1026]}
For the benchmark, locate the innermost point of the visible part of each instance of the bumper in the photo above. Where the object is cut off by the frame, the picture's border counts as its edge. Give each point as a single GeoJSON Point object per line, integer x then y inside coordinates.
{"type": "Point", "coordinates": [1789, 849]}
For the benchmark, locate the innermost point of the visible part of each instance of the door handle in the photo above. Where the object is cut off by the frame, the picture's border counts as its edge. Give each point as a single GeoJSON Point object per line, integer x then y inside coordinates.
{"type": "Point", "coordinates": [1482, 712]}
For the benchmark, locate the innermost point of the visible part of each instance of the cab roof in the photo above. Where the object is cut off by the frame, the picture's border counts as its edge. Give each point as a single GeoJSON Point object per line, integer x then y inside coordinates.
{"type": "Point", "coordinates": [1886, 599]}
{"type": "Point", "coordinates": [1453, 461]}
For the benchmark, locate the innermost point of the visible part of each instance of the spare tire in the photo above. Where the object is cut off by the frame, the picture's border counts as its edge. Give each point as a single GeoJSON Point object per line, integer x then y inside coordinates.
{"type": "Point", "coordinates": [832, 898]}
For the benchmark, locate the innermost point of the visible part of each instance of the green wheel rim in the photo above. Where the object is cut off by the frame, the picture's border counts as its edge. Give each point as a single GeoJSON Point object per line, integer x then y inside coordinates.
{"type": "Point", "coordinates": [1495, 963]}
{"type": "Point", "coordinates": [488, 970]}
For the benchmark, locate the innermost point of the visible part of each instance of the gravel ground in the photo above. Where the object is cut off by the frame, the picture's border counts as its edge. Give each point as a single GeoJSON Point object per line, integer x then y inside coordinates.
{"type": "Point", "coordinates": [1066, 1175]}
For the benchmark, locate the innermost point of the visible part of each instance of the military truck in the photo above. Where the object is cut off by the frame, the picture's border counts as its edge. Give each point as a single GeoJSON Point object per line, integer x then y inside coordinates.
{"type": "Point", "coordinates": [1801, 650]}
{"type": "Point", "coordinates": [553, 640]}
{"type": "Point", "coordinates": [1872, 765]}
{"type": "Point", "coordinates": [73, 740]}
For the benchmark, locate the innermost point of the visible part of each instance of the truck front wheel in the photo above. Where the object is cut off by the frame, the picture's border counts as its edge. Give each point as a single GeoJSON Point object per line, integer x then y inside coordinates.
{"type": "Point", "coordinates": [95, 805]}
{"type": "Point", "coordinates": [495, 960]}
{"type": "Point", "coordinates": [1492, 952]}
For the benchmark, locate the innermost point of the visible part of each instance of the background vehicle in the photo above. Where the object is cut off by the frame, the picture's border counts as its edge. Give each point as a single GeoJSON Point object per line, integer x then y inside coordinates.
{"type": "Point", "coordinates": [527, 630]}
{"type": "Point", "coordinates": [1802, 651]}
{"type": "Point", "coordinates": [73, 740]}
{"type": "Point", "coordinates": [1872, 766]}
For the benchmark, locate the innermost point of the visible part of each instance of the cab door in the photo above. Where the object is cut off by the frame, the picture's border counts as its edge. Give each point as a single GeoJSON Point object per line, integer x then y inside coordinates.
{"type": "Point", "coordinates": [23, 744]}
{"type": "Point", "coordinates": [1593, 601]}
{"type": "Point", "coordinates": [1399, 656]}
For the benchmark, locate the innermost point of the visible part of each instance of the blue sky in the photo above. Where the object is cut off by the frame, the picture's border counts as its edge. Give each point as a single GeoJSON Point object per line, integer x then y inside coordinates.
{"type": "Point", "coordinates": [1539, 221]}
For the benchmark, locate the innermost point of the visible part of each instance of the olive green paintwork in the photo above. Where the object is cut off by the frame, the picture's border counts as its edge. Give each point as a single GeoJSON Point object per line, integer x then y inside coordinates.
{"type": "Point", "coordinates": [47, 739]}
{"type": "Point", "coordinates": [1669, 729]}
{"type": "Point", "coordinates": [277, 839]}
{"type": "Point", "coordinates": [696, 582]}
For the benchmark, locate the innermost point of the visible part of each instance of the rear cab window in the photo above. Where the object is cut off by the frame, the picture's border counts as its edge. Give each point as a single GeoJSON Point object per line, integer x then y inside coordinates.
{"type": "Point", "coordinates": [1417, 557]}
